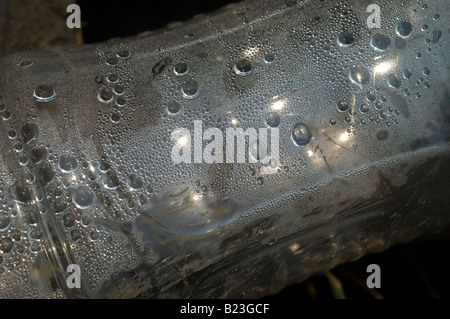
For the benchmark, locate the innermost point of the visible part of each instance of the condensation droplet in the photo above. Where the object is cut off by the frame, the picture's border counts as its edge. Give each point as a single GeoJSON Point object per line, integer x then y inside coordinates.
{"type": "Point", "coordinates": [109, 182]}
{"type": "Point", "coordinates": [69, 220]}
{"type": "Point", "coordinates": [118, 90]}
{"type": "Point", "coordinates": [124, 54]}
{"type": "Point", "coordinates": [407, 74]}
{"type": "Point", "coordinates": [67, 163]}
{"type": "Point", "coordinates": [181, 69]}
{"type": "Point", "coordinates": [435, 36]}
{"type": "Point", "coordinates": [5, 221]}
{"type": "Point", "coordinates": [269, 58]}
{"type": "Point", "coordinates": [301, 134]}
{"type": "Point", "coordinates": [273, 119]}
{"type": "Point", "coordinates": [260, 180]}
{"type": "Point", "coordinates": [364, 108]}
{"type": "Point", "coordinates": [380, 42]}
{"type": "Point", "coordinates": [75, 234]}
{"type": "Point", "coordinates": [359, 75]}
{"type": "Point", "coordinates": [82, 197]}
{"type": "Point", "coordinates": [404, 29]}
{"type": "Point", "coordinates": [393, 81]}
{"type": "Point", "coordinates": [105, 95]}
{"type": "Point", "coordinates": [6, 245]}
{"type": "Point", "coordinates": [345, 39]}
{"type": "Point", "coordinates": [134, 182]}
{"type": "Point", "coordinates": [173, 108]}
{"type": "Point", "coordinates": [342, 105]}
{"type": "Point", "coordinates": [30, 132]}
{"type": "Point", "coordinates": [190, 89]}
{"type": "Point", "coordinates": [115, 118]}
{"type": "Point", "coordinates": [243, 67]}
{"type": "Point", "coordinates": [25, 63]}
{"type": "Point", "coordinates": [44, 93]}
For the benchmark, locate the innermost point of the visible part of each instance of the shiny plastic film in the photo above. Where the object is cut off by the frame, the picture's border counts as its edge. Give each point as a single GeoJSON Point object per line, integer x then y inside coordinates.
{"type": "Point", "coordinates": [225, 157]}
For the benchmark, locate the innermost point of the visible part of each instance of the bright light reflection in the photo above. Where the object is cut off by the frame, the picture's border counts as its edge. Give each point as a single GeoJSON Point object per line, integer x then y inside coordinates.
{"type": "Point", "coordinates": [382, 67]}
{"type": "Point", "coordinates": [345, 136]}
{"type": "Point", "coordinates": [278, 105]}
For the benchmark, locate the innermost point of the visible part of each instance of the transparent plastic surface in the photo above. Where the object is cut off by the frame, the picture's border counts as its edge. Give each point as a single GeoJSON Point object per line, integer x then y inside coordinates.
{"type": "Point", "coordinates": [87, 176]}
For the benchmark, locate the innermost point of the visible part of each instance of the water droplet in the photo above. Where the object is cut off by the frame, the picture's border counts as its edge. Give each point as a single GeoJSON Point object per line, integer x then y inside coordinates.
{"type": "Point", "coordinates": [273, 119]}
{"type": "Point", "coordinates": [382, 135]}
{"type": "Point", "coordinates": [25, 63]}
{"type": "Point", "coordinates": [181, 69]}
{"type": "Point", "coordinates": [173, 108]}
{"type": "Point", "coordinates": [134, 182]}
{"type": "Point", "coordinates": [59, 207]}
{"type": "Point", "coordinates": [38, 154]}
{"type": "Point", "coordinates": [5, 221]}
{"type": "Point", "coordinates": [243, 67]}
{"type": "Point", "coordinates": [345, 39]}
{"type": "Point", "coordinates": [112, 78]}
{"type": "Point", "coordinates": [16, 235]}
{"type": "Point", "coordinates": [75, 234]}
{"type": "Point", "coordinates": [190, 89]}
{"type": "Point", "coordinates": [121, 102]}
{"type": "Point", "coordinates": [418, 55]}
{"type": "Point", "coordinates": [6, 245]}
{"type": "Point", "coordinates": [6, 115]}
{"type": "Point", "coordinates": [118, 90]}
{"type": "Point", "coordinates": [393, 81]}
{"type": "Point", "coordinates": [109, 182]}
{"type": "Point", "coordinates": [252, 171]}
{"type": "Point", "coordinates": [333, 121]}
{"type": "Point", "coordinates": [21, 192]}
{"type": "Point", "coordinates": [407, 74]}
{"type": "Point", "coordinates": [105, 95]}
{"type": "Point", "coordinates": [424, 27]}
{"type": "Point", "coordinates": [30, 132]}
{"type": "Point", "coordinates": [35, 247]}
{"type": "Point", "coordinates": [68, 163]}
{"type": "Point", "coordinates": [370, 96]}
{"type": "Point", "coordinates": [23, 160]}
{"type": "Point", "coordinates": [124, 54]}
{"type": "Point", "coordinates": [260, 180]}
{"type": "Point", "coordinates": [94, 235]}
{"type": "Point", "coordinates": [426, 71]}
{"type": "Point", "coordinates": [46, 174]}
{"type": "Point", "coordinates": [342, 105]}
{"type": "Point", "coordinates": [436, 16]}
{"type": "Point", "coordinates": [364, 108]}
{"type": "Point", "coordinates": [380, 42]}
{"type": "Point", "coordinates": [115, 118]}
{"type": "Point", "coordinates": [359, 75]}
{"type": "Point", "coordinates": [30, 178]}
{"type": "Point", "coordinates": [35, 234]}
{"type": "Point", "coordinates": [269, 58]}
{"type": "Point", "coordinates": [86, 220]}
{"type": "Point", "coordinates": [69, 220]}
{"type": "Point", "coordinates": [435, 36]}
{"type": "Point", "coordinates": [404, 29]}
{"type": "Point", "coordinates": [383, 114]}
{"type": "Point", "coordinates": [82, 197]}
{"type": "Point", "coordinates": [301, 134]}
{"type": "Point", "coordinates": [257, 149]}
{"type": "Point", "coordinates": [113, 61]}
{"type": "Point", "coordinates": [44, 93]}
{"type": "Point", "coordinates": [12, 134]}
